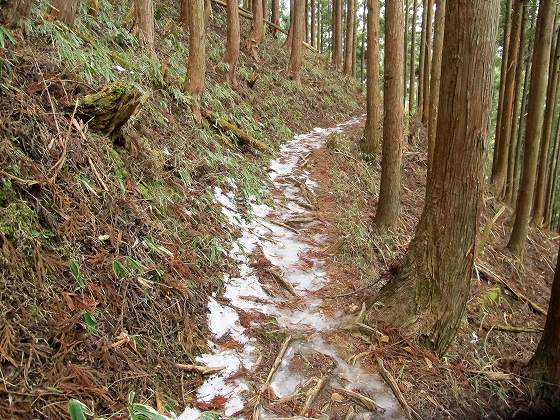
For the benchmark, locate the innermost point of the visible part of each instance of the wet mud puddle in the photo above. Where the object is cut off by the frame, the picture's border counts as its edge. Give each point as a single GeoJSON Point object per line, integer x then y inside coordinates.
{"type": "Point", "coordinates": [309, 377]}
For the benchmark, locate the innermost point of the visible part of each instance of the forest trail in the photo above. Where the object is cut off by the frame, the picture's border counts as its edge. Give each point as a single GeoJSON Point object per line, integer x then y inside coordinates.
{"type": "Point", "coordinates": [281, 259]}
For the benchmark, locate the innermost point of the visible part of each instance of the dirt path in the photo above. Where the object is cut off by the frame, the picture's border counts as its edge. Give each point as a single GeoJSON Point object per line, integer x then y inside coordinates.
{"type": "Point", "coordinates": [281, 255]}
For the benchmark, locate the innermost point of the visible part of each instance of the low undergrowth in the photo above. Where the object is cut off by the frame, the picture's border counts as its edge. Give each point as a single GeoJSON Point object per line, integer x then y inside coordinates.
{"type": "Point", "coordinates": [109, 248]}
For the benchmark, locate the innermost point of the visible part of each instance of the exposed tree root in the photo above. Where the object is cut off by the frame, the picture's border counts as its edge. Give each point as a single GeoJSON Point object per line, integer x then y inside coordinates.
{"type": "Point", "coordinates": [203, 370]}
{"type": "Point", "coordinates": [312, 394]}
{"type": "Point", "coordinates": [365, 402]}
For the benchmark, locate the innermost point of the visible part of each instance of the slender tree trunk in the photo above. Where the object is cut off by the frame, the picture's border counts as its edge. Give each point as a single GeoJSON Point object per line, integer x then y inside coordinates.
{"type": "Point", "coordinates": [427, 62]}
{"type": "Point", "coordinates": [65, 10]}
{"type": "Point", "coordinates": [499, 114]}
{"type": "Point", "coordinates": [337, 34]}
{"type": "Point", "coordinates": [231, 55]}
{"type": "Point", "coordinates": [431, 289]}
{"type": "Point", "coordinates": [257, 29]}
{"type": "Point", "coordinates": [185, 15]}
{"type": "Point", "coordinates": [144, 24]}
{"type": "Point", "coordinates": [535, 116]}
{"type": "Point", "coordinates": [412, 72]}
{"type": "Point", "coordinates": [266, 12]}
{"type": "Point", "coordinates": [419, 109]}
{"type": "Point", "coordinates": [313, 23]}
{"type": "Point", "coordinates": [319, 35]}
{"type": "Point", "coordinates": [288, 42]}
{"type": "Point", "coordinates": [306, 21]}
{"type": "Point", "coordinates": [207, 10]}
{"type": "Point", "coordinates": [516, 122]}
{"type": "Point", "coordinates": [499, 175]}
{"type": "Point", "coordinates": [435, 79]}
{"type": "Point", "coordinates": [297, 41]}
{"type": "Point", "coordinates": [349, 51]}
{"type": "Point", "coordinates": [370, 141]}
{"type": "Point", "coordinates": [544, 366]}
{"type": "Point", "coordinates": [17, 11]}
{"type": "Point", "coordinates": [388, 207]}
{"type": "Point", "coordinates": [551, 186]}
{"type": "Point", "coordinates": [196, 64]}
{"type": "Point", "coordinates": [405, 51]}
{"type": "Point", "coordinates": [275, 16]}
{"type": "Point", "coordinates": [544, 153]}
{"type": "Point", "coordinates": [363, 46]}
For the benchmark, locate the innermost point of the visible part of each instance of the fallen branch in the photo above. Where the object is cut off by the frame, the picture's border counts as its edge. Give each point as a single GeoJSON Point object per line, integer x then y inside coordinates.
{"type": "Point", "coordinates": [312, 394]}
{"type": "Point", "coordinates": [287, 285]}
{"type": "Point", "coordinates": [360, 399]}
{"type": "Point", "coordinates": [410, 413]}
{"type": "Point", "coordinates": [278, 360]}
{"type": "Point", "coordinates": [27, 182]}
{"type": "Point", "coordinates": [202, 370]}
{"type": "Point", "coordinates": [284, 225]}
{"type": "Point", "coordinates": [518, 295]}
{"type": "Point", "coordinates": [513, 328]}
{"type": "Point", "coordinates": [227, 126]}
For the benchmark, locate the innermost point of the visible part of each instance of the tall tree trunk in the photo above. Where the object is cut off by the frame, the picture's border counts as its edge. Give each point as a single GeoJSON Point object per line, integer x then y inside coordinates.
{"type": "Point", "coordinates": [257, 29]}
{"type": "Point", "coordinates": [231, 55]}
{"type": "Point", "coordinates": [275, 16]}
{"type": "Point", "coordinates": [349, 51]}
{"type": "Point", "coordinates": [516, 122]}
{"type": "Point", "coordinates": [412, 72]}
{"type": "Point", "coordinates": [544, 366]}
{"type": "Point", "coordinates": [370, 140]}
{"type": "Point", "coordinates": [405, 51]}
{"type": "Point", "coordinates": [306, 21]}
{"type": "Point", "coordinates": [535, 116]}
{"type": "Point", "coordinates": [17, 11]}
{"type": "Point", "coordinates": [388, 206]}
{"type": "Point", "coordinates": [288, 42]}
{"type": "Point", "coordinates": [419, 108]}
{"type": "Point", "coordinates": [65, 10]}
{"type": "Point", "coordinates": [313, 23]}
{"type": "Point", "coordinates": [427, 62]}
{"type": "Point", "coordinates": [552, 179]}
{"type": "Point", "coordinates": [196, 64]}
{"type": "Point", "coordinates": [505, 45]}
{"type": "Point", "coordinates": [363, 46]}
{"type": "Point", "coordinates": [431, 289]}
{"type": "Point", "coordinates": [297, 40]}
{"type": "Point", "coordinates": [544, 153]}
{"type": "Point", "coordinates": [337, 34]}
{"type": "Point", "coordinates": [499, 175]}
{"type": "Point", "coordinates": [144, 24]}
{"type": "Point", "coordinates": [185, 14]}
{"type": "Point", "coordinates": [435, 79]}
{"type": "Point", "coordinates": [207, 10]}
{"type": "Point", "coordinates": [266, 12]}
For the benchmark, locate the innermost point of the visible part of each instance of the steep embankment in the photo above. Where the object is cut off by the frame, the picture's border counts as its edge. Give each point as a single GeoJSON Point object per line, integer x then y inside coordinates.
{"type": "Point", "coordinates": [110, 246]}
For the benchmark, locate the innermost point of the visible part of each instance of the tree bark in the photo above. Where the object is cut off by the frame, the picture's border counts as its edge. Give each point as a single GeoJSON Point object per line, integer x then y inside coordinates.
{"type": "Point", "coordinates": [518, 102]}
{"type": "Point", "coordinates": [196, 64]}
{"type": "Point", "coordinates": [296, 53]}
{"type": "Point", "coordinates": [231, 55]}
{"type": "Point", "coordinates": [349, 51]}
{"type": "Point", "coordinates": [503, 68]}
{"type": "Point", "coordinates": [431, 289]}
{"type": "Point", "coordinates": [552, 179]}
{"type": "Point", "coordinates": [535, 116]}
{"type": "Point", "coordinates": [370, 140]}
{"type": "Point", "coordinates": [388, 206]}
{"type": "Point", "coordinates": [313, 24]}
{"type": "Point", "coordinates": [337, 34]}
{"type": "Point", "coordinates": [499, 174]}
{"type": "Point", "coordinates": [17, 11]}
{"type": "Point", "coordinates": [412, 72]}
{"type": "Point", "coordinates": [65, 11]}
{"type": "Point", "coordinates": [544, 366]}
{"type": "Point", "coordinates": [419, 108]}
{"type": "Point", "coordinates": [544, 154]}
{"type": "Point", "coordinates": [435, 79]}
{"type": "Point", "coordinates": [427, 62]}
{"type": "Point", "coordinates": [144, 24]}
{"type": "Point", "coordinates": [185, 15]}
{"type": "Point", "coordinates": [207, 10]}
{"type": "Point", "coordinates": [288, 42]}
{"type": "Point", "coordinates": [275, 16]}
{"type": "Point", "coordinates": [363, 46]}
{"type": "Point", "coordinates": [405, 51]}
{"type": "Point", "coordinates": [257, 29]}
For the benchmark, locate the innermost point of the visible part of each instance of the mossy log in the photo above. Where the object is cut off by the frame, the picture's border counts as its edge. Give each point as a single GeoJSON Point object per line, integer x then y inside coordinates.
{"type": "Point", "coordinates": [225, 125]}
{"type": "Point", "coordinates": [108, 110]}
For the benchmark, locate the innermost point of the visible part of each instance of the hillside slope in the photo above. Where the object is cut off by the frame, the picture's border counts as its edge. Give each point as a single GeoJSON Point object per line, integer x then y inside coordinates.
{"type": "Point", "coordinates": [110, 246]}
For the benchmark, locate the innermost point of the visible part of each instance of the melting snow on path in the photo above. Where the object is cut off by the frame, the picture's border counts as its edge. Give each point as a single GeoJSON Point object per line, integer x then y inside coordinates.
{"type": "Point", "coordinates": [282, 247]}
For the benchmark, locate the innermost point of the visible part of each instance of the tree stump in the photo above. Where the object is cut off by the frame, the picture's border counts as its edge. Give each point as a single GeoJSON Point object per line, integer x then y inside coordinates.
{"type": "Point", "coordinates": [108, 110]}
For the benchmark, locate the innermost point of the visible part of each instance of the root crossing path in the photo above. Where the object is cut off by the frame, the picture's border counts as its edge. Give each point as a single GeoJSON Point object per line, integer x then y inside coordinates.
{"type": "Point", "coordinates": [280, 272]}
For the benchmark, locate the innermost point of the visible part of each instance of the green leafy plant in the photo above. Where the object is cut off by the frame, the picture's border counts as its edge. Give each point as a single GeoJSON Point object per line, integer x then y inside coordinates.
{"type": "Point", "coordinates": [90, 321]}
{"type": "Point", "coordinates": [138, 411]}
{"type": "Point", "coordinates": [120, 270]}
{"type": "Point", "coordinates": [6, 37]}
{"type": "Point", "coordinates": [78, 410]}
{"type": "Point", "coordinates": [76, 273]}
